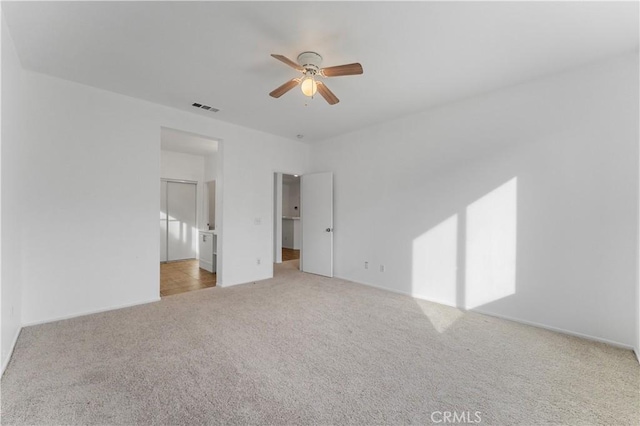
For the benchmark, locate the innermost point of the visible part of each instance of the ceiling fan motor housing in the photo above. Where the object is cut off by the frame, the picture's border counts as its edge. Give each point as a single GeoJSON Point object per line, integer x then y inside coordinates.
{"type": "Point", "coordinates": [310, 61]}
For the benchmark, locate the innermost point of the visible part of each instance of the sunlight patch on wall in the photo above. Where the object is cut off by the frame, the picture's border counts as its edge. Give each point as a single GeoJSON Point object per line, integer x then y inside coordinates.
{"type": "Point", "coordinates": [491, 228]}
{"type": "Point", "coordinates": [435, 257]}
{"type": "Point", "coordinates": [175, 230]}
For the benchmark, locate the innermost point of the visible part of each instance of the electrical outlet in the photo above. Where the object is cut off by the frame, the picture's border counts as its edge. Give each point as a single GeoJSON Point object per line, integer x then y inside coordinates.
{"type": "Point", "coordinates": [381, 268]}
{"type": "Point", "coordinates": [257, 261]}
{"type": "Point", "coordinates": [366, 265]}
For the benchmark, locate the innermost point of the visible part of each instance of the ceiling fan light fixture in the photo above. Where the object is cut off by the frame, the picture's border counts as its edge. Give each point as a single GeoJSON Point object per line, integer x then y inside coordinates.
{"type": "Point", "coordinates": [309, 65]}
{"type": "Point", "coordinates": [309, 86]}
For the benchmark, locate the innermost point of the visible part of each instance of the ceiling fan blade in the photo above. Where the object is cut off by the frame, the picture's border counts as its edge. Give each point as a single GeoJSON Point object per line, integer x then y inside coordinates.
{"type": "Point", "coordinates": [340, 70]}
{"type": "Point", "coordinates": [327, 94]}
{"type": "Point", "coordinates": [288, 61]}
{"type": "Point", "coordinates": [285, 88]}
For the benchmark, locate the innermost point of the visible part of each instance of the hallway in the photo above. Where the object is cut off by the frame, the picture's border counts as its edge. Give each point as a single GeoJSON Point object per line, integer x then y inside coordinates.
{"type": "Point", "coordinates": [182, 276]}
{"type": "Point", "coordinates": [290, 254]}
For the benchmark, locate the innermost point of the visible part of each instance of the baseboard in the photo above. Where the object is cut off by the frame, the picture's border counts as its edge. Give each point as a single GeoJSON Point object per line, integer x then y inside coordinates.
{"type": "Point", "coordinates": [404, 293]}
{"type": "Point", "coordinates": [556, 329]}
{"type": "Point", "coordinates": [208, 266]}
{"type": "Point", "coordinates": [637, 352]}
{"type": "Point", "coordinates": [505, 317]}
{"type": "Point", "coordinates": [97, 311]}
{"type": "Point", "coordinates": [10, 354]}
{"type": "Point", "coordinates": [219, 285]}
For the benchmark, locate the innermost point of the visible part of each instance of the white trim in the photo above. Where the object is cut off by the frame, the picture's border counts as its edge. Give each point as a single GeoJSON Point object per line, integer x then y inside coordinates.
{"type": "Point", "coordinates": [636, 351]}
{"type": "Point", "coordinates": [404, 293]}
{"type": "Point", "coordinates": [505, 317]}
{"type": "Point", "coordinates": [556, 329]}
{"type": "Point", "coordinates": [190, 182]}
{"type": "Point", "coordinates": [97, 311]}
{"type": "Point", "coordinates": [219, 223]}
{"type": "Point", "coordinates": [10, 354]}
{"type": "Point", "coordinates": [207, 266]}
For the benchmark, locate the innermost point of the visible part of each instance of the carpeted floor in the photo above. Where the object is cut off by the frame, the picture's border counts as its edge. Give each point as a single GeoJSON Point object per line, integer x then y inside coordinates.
{"type": "Point", "coordinates": [302, 349]}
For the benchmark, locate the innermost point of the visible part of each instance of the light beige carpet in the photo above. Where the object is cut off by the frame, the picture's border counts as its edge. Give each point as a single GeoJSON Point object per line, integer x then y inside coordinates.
{"type": "Point", "coordinates": [302, 349]}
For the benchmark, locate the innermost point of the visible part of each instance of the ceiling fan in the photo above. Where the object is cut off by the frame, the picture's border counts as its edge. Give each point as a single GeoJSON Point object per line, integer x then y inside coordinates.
{"type": "Point", "coordinates": [309, 65]}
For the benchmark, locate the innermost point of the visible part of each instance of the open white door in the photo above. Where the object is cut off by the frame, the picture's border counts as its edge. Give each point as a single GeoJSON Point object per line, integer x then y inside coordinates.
{"type": "Point", "coordinates": [316, 202]}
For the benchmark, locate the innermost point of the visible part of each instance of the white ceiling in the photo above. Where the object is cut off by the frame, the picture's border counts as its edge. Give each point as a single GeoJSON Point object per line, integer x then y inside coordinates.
{"type": "Point", "coordinates": [187, 143]}
{"type": "Point", "coordinates": [415, 54]}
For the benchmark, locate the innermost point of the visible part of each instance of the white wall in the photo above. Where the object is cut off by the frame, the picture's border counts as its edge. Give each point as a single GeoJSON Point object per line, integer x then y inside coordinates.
{"type": "Point", "coordinates": [211, 167]}
{"type": "Point", "coordinates": [210, 217]}
{"type": "Point", "coordinates": [522, 203]}
{"type": "Point", "coordinates": [211, 174]}
{"type": "Point", "coordinates": [90, 196]}
{"type": "Point", "coordinates": [249, 166]}
{"type": "Point", "coordinates": [180, 166]}
{"type": "Point", "coordinates": [12, 224]}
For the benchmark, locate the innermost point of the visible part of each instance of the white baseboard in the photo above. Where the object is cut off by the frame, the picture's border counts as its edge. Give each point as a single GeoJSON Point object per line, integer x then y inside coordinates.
{"type": "Point", "coordinates": [404, 293]}
{"type": "Point", "coordinates": [96, 311]}
{"type": "Point", "coordinates": [379, 287]}
{"type": "Point", "coordinates": [556, 329]}
{"type": "Point", "coordinates": [637, 352]}
{"type": "Point", "coordinates": [15, 339]}
{"type": "Point", "coordinates": [10, 354]}
{"type": "Point", "coordinates": [505, 317]}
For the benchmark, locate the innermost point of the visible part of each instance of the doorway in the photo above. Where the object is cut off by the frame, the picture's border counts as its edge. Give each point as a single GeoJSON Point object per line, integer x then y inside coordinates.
{"type": "Point", "coordinates": [303, 222]}
{"type": "Point", "coordinates": [287, 229]}
{"type": "Point", "coordinates": [188, 238]}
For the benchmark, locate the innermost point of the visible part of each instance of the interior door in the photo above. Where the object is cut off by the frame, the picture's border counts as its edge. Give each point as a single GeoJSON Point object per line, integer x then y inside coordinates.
{"type": "Point", "coordinates": [182, 229]}
{"type": "Point", "coordinates": [316, 201]}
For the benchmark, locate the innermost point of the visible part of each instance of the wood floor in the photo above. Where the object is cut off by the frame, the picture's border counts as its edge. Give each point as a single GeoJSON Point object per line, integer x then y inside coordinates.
{"type": "Point", "coordinates": [290, 254]}
{"type": "Point", "coordinates": [184, 275]}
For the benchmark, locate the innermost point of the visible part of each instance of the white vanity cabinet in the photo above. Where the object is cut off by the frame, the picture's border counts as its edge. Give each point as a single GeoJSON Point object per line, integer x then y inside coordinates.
{"type": "Point", "coordinates": [208, 245]}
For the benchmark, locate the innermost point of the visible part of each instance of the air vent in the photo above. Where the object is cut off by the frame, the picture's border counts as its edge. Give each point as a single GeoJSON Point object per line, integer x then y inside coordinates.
{"type": "Point", "coordinates": [205, 107]}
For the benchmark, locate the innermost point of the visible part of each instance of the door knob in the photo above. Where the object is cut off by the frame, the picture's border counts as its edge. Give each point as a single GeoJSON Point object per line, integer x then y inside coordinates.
{"type": "Point", "coordinates": [328, 229]}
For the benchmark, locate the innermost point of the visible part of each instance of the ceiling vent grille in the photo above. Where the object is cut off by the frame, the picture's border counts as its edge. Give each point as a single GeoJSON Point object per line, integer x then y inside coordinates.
{"type": "Point", "coordinates": [205, 107]}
